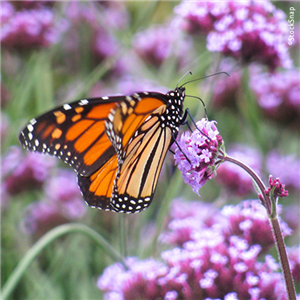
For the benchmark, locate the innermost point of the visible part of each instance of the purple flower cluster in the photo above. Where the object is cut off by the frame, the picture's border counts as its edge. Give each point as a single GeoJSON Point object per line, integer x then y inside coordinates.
{"type": "Point", "coordinates": [276, 188]}
{"type": "Point", "coordinates": [278, 95]}
{"type": "Point", "coordinates": [213, 262]}
{"type": "Point", "coordinates": [197, 153]}
{"type": "Point", "coordinates": [233, 177]}
{"type": "Point", "coordinates": [99, 20]}
{"type": "Point", "coordinates": [63, 203]}
{"type": "Point", "coordinates": [247, 30]}
{"type": "Point", "coordinates": [294, 258]}
{"type": "Point", "coordinates": [158, 44]}
{"type": "Point", "coordinates": [29, 4]}
{"type": "Point", "coordinates": [249, 221]}
{"type": "Point", "coordinates": [28, 28]}
{"type": "Point", "coordinates": [24, 172]}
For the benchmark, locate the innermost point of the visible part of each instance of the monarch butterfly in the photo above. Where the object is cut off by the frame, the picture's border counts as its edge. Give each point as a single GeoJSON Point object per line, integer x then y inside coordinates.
{"type": "Point", "coordinates": [116, 145]}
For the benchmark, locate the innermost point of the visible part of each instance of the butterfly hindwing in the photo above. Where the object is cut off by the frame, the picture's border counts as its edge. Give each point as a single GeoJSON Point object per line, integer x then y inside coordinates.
{"type": "Point", "coordinates": [97, 188]}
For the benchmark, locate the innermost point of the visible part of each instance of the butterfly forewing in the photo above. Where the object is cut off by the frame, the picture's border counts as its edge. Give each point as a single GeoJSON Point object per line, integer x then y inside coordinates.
{"type": "Point", "coordinates": [74, 132]}
{"type": "Point", "coordinates": [141, 144]}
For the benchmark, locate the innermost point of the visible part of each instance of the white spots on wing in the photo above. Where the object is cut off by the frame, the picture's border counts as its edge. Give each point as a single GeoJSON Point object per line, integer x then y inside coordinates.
{"type": "Point", "coordinates": [36, 142]}
{"type": "Point", "coordinates": [32, 121]}
{"type": "Point", "coordinates": [110, 117]}
{"type": "Point", "coordinates": [30, 136]}
{"type": "Point", "coordinates": [83, 102]}
{"type": "Point", "coordinates": [67, 106]}
{"type": "Point", "coordinates": [105, 98]}
{"type": "Point", "coordinates": [30, 127]}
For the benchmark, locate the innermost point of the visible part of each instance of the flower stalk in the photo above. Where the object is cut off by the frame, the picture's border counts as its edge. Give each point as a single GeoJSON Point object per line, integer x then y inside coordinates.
{"type": "Point", "coordinates": [269, 199]}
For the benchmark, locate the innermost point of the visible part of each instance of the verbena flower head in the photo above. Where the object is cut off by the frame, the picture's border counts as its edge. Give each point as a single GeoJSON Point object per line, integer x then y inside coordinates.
{"type": "Point", "coordinates": [62, 189]}
{"type": "Point", "coordinates": [62, 203]}
{"type": "Point", "coordinates": [157, 44]}
{"type": "Point", "coordinates": [278, 94]}
{"type": "Point", "coordinates": [29, 28]}
{"type": "Point", "coordinates": [29, 4]}
{"type": "Point", "coordinates": [23, 172]}
{"type": "Point", "coordinates": [209, 265]}
{"type": "Point", "coordinates": [41, 216]}
{"type": "Point", "coordinates": [276, 188]}
{"type": "Point", "coordinates": [247, 30]}
{"type": "Point", "coordinates": [249, 220]}
{"type": "Point", "coordinates": [235, 179]}
{"type": "Point", "coordinates": [197, 157]}
{"type": "Point", "coordinates": [294, 258]}
{"type": "Point", "coordinates": [96, 19]}
{"type": "Point", "coordinates": [226, 91]}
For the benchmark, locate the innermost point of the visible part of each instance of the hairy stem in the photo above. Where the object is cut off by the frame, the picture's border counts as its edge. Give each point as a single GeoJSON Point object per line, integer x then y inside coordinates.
{"type": "Point", "coordinates": [271, 210]}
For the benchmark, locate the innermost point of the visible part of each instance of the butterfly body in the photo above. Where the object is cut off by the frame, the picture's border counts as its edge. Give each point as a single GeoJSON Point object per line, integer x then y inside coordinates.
{"type": "Point", "coordinates": [116, 145]}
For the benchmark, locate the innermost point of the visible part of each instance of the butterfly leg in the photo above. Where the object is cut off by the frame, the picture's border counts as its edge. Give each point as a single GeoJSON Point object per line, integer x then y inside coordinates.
{"type": "Point", "coordinates": [187, 113]}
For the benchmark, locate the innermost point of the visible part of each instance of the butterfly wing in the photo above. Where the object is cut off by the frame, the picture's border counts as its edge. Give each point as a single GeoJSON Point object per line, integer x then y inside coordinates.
{"type": "Point", "coordinates": [131, 136]}
{"type": "Point", "coordinates": [75, 133]}
{"type": "Point", "coordinates": [117, 145]}
{"type": "Point", "coordinates": [141, 141]}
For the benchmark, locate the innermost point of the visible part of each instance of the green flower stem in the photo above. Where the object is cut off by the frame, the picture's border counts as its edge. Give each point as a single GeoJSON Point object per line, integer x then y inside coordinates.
{"type": "Point", "coordinates": [46, 240]}
{"type": "Point", "coordinates": [279, 241]}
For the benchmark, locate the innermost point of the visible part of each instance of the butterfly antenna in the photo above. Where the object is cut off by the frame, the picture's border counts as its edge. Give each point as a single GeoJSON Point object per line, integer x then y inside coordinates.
{"type": "Point", "coordinates": [203, 77]}
{"type": "Point", "coordinates": [188, 72]}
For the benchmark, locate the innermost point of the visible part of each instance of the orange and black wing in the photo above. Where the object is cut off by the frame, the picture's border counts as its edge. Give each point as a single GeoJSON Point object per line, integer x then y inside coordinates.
{"type": "Point", "coordinates": [131, 175]}
{"type": "Point", "coordinates": [141, 141]}
{"type": "Point", "coordinates": [75, 133]}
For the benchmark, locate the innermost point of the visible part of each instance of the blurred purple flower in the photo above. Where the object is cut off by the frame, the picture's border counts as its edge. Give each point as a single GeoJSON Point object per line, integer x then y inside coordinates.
{"type": "Point", "coordinates": [278, 95]}
{"type": "Point", "coordinates": [7, 11]}
{"type": "Point", "coordinates": [62, 189]}
{"type": "Point", "coordinates": [294, 258]}
{"type": "Point", "coordinates": [29, 4]}
{"type": "Point", "coordinates": [250, 31]}
{"type": "Point", "coordinates": [158, 44]}
{"type": "Point", "coordinates": [211, 265]}
{"type": "Point", "coordinates": [29, 28]}
{"type": "Point", "coordinates": [249, 220]}
{"type": "Point", "coordinates": [197, 156]}
{"type": "Point", "coordinates": [104, 45]}
{"type": "Point", "coordinates": [128, 85]}
{"type": "Point", "coordinates": [63, 203]}
{"type": "Point", "coordinates": [286, 167]}
{"type": "Point", "coordinates": [24, 172]}
{"type": "Point", "coordinates": [233, 177]}
{"type": "Point", "coordinates": [226, 90]}
{"type": "Point", "coordinates": [40, 217]}
{"type": "Point", "coordinates": [4, 125]}
{"type": "Point", "coordinates": [5, 95]}
{"type": "Point", "coordinates": [291, 215]}
{"type": "Point", "coordinates": [186, 217]}
{"type": "Point", "coordinates": [4, 197]}
{"type": "Point", "coordinates": [97, 21]}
